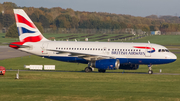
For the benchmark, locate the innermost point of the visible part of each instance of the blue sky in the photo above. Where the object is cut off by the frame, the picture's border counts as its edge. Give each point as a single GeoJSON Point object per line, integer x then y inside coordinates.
{"type": "Point", "coordinates": [131, 7]}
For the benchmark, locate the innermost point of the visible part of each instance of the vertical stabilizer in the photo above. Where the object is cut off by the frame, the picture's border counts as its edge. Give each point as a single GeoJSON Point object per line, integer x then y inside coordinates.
{"type": "Point", "coordinates": [27, 31]}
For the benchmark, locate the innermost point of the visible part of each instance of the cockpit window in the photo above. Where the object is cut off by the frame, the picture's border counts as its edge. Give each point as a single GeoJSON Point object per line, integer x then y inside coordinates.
{"type": "Point", "coordinates": [163, 50]}
{"type": "Point", "coordinates": [167, 50]}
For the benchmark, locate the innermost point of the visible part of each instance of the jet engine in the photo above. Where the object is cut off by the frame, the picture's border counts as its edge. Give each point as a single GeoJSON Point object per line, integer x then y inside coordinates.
{"type": "Point", "coordinates": [105, 64]}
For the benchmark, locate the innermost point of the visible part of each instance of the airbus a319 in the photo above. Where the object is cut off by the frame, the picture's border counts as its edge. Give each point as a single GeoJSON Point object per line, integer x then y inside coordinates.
{"type": "Point", "coordinates": [101, 55]}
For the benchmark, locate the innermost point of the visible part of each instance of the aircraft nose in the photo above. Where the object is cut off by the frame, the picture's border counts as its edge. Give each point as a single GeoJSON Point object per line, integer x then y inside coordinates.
{"type": "Point", "coordinates": [173, 56]}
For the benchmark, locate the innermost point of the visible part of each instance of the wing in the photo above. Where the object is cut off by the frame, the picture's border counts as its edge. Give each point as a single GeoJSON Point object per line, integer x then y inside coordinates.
{"type": "Point", "coordinates": [85, 56]}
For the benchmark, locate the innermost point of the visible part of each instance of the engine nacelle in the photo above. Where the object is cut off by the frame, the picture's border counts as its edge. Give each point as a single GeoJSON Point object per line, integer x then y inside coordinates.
{"type": "Point", "coordinates": [110, 64]}
{"type": "Point", "coordinates": [129, 66]}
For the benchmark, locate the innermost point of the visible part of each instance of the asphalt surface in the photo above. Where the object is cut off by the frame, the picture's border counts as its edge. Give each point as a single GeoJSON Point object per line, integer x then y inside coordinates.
{"type": "Point", "coordinates": [7, 52]}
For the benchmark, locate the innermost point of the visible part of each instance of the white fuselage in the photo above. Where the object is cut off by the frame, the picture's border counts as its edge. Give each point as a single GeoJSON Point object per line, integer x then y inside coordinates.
{"type": "Point", "coordinates": [135, 53]}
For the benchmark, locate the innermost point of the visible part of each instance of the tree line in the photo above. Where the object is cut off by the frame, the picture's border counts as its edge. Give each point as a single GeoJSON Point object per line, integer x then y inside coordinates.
{"type": "Point", "coordinates": [68, 18]}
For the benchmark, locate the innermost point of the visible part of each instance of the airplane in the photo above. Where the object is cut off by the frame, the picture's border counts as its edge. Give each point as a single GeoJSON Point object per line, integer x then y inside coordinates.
{"type": "Point", "coordinates": [101, 55]}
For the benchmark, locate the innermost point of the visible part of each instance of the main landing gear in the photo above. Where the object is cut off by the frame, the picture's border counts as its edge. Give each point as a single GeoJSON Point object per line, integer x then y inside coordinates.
{"type": "Point", "coordinates": [88, 69]}
{"type": "Point", "coordinates": [150, 69]}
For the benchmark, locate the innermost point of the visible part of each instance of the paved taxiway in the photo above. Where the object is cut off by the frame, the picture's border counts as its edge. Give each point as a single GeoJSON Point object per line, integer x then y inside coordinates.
{"type": "Point", "coordinates": [7, 52]}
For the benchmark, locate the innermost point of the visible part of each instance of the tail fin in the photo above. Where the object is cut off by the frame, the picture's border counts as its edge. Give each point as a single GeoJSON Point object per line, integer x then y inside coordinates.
{"type": "Point", "coordinates": [28, 32]}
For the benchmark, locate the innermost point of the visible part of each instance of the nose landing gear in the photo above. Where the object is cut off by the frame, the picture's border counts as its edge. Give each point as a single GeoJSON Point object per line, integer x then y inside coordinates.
{"type": "Point", "coordinates": [150, 69]}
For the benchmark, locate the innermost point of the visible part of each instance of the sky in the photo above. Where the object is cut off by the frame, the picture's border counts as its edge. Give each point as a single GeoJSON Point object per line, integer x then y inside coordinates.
{"type": "Point", "coordinates": [131, 7]}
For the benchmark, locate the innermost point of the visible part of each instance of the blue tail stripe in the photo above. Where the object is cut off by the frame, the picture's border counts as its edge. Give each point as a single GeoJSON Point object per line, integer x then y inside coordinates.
{"type": "Point", "coordinates": [24, 30]}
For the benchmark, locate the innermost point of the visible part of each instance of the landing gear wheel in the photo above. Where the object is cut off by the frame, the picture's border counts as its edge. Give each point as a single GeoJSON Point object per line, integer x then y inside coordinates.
{"type": "Point", "coordinates": [101, 70]}
{"type": "Point", "coordinates": [150, 72]}
{"type": "Point", "coordinates": [88, 69]}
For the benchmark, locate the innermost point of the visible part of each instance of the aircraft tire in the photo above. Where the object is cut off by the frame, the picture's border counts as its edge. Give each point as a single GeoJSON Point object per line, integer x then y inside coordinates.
{"type": "Point", "coordinates": [88, 69]}
{"type": "Point", "coordinates": [150, 72]}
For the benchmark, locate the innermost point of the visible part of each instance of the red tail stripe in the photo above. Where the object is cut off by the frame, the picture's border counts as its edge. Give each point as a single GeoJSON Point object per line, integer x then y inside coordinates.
{"type": "Point", "coordinates": [21, 19]}
{"type": "Point", "coordinates": [144, 47]}
{"type": "Point", "coordinates": [32, 39]}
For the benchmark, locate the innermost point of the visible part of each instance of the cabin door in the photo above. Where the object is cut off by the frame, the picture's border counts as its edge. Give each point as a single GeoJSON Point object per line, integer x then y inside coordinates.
{"type": "Point", "coordinates": [148, 51]}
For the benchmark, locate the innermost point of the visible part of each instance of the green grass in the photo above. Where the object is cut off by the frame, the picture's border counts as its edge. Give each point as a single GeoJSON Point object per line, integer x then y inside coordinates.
{"type": "Point", "coordinates": [80, 86]}
{"type": "Point", "coordinates": [161, 39]}
{"type": "Point", "coordinates": [60, 37]}
{"type": "Point", "coordinates": [158, 39]}
{"type": "Point", "coordinates": [4, 40]}
{"type": "Point", "coordinates": [75, 86]}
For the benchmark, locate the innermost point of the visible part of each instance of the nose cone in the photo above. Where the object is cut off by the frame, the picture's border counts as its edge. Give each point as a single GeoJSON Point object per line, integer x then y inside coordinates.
{"type": "Point", "coordinates": [173, 57]}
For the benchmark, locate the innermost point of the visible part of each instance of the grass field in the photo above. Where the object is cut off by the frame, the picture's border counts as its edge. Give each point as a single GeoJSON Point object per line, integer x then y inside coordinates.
{"type": "Point", "coordinates": [161, 39]}
{"type": "Point", "coordinates": [71, 37]}
{"type": "Point", "coordinates": [79, 86]}
{"type": "Point", "coordinates": [76, 85]}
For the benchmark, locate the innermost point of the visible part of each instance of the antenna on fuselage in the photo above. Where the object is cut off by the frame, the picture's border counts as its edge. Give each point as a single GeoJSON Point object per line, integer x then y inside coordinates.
{"type": "Point", "coordinates": [148, 42]}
